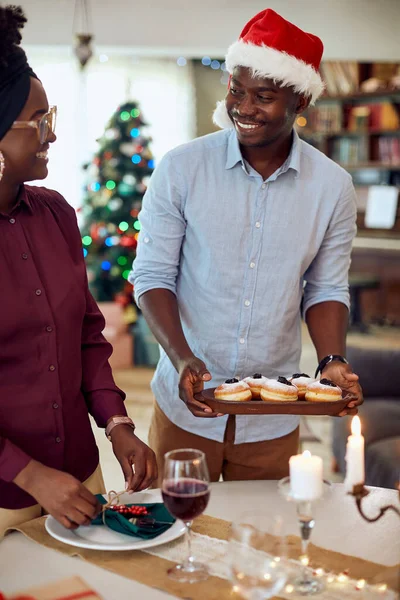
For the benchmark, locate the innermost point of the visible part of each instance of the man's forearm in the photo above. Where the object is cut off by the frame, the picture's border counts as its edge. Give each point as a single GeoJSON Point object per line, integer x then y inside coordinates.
{"type": "Point", "coordinates": [327, 323]}
{"type": "Point", "coordinates": [160, 309]}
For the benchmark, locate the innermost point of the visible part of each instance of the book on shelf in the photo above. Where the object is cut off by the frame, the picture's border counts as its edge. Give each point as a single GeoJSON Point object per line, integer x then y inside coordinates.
{"type": "Point", "coordinates": [384, 115]}
{"type": "Point", "coordinates": [340, 77]}
{"type": "Point", "coordinates": [336, 117]}
{"type": "Point", "coordinates": [349, 151]}
{"type": "Point", "coordinates": [389, 150]}
{"type": "Point", "coordinates": [324, 118]}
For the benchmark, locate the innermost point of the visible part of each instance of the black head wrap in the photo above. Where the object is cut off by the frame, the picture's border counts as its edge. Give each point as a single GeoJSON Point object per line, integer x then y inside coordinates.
{"type": "Point", "coordinates": [15, 72]}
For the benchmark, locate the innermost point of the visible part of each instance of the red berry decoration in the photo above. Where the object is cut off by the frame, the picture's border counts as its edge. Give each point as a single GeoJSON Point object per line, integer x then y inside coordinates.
{"type": "Point", "coordinates": [129, 511]}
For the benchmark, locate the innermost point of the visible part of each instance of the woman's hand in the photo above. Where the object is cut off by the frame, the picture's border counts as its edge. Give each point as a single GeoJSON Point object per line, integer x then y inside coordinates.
{"type": "Point", "coordinates": [60, 494]}
{"type": "Point", "coordinates": [132, 452]}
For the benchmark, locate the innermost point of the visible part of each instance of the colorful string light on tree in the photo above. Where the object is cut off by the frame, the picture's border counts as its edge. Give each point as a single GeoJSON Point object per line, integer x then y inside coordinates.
{"type": "Point", "coordinates": [117, 178]}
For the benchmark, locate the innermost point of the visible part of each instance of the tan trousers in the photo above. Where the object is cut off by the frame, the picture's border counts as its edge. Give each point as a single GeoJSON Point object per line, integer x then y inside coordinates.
{"type": "Point", "coordinates": [255, 460]}
{"type": "Point", "coordinates": [12, 518]}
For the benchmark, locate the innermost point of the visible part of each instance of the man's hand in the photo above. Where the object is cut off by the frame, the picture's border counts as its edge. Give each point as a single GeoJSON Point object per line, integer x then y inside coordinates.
{"type": "Point", "coordinates": [132, 452]}
{"type": "Point", "coordinates": [343, 376]}
{"type": "Point", "coordinates": [192, 375]}
{"type": "Point", "coordinates": [60, 494]}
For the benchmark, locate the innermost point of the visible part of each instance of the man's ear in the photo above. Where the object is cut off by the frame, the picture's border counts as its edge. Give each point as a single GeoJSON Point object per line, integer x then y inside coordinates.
{"type": "Point", "coordinates": [303, 102]}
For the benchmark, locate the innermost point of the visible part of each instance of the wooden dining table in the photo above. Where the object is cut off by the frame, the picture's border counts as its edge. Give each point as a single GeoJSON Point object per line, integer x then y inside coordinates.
{"type": "Point", "coordinates": [338, 527]}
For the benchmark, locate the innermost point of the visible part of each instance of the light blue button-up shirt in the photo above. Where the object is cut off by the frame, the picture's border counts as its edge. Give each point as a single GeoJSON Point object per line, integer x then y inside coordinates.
{"type": "Point", "coordinates": [237, 251]}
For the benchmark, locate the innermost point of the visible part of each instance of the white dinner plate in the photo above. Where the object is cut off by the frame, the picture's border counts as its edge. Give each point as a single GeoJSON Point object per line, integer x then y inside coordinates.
{"type": "Point", "coordinates": [97, 537]}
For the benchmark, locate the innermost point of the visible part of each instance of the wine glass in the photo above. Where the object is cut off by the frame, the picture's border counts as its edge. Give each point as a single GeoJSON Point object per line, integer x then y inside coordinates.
{"type": "Point", "coordinates": [257, 556]}
{"type": "Point", "coordinates": [186, 492]}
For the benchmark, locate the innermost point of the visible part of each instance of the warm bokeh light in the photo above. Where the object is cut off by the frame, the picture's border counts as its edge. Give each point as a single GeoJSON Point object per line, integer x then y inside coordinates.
{"type": "Point", "coordinates": [301, 121]}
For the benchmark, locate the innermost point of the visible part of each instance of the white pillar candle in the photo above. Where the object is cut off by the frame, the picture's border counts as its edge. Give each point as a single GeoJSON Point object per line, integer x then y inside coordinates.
{"type": "Point", "coordinates": [306, 481]}
{"type": "Point", "coordinates": [355, 470]}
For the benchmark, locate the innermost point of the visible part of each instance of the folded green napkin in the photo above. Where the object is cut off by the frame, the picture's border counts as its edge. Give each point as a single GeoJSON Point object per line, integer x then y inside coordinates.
{"type": "Point", "coordinates": [119, 523]}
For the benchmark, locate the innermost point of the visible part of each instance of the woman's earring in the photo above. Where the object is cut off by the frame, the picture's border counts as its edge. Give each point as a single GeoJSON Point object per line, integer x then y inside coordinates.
{"type": "Point", "coordinates": [2, 165]}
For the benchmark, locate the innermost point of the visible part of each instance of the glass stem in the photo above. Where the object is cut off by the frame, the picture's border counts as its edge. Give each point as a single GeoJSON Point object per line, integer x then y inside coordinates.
{"type": "Point", "coordinates": [190, 557]}
{"type": "Point", "coordinates": [306, 521]}
{"type": "Point", "coordinates": [304, 553]}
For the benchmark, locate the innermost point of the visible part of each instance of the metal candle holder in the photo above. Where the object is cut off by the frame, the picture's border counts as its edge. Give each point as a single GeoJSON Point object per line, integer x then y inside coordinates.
{"type": "Point", "coordinates": [359, 492]}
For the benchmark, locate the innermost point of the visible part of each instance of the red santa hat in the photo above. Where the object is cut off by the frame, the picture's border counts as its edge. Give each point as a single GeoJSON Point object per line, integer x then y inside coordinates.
{"type": "Point", "coordinates": [276, 49]}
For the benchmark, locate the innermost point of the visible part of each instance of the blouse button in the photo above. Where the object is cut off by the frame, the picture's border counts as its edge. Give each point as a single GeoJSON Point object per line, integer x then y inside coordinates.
{"type": "Point", "coordinates": [24, 256]}
{"type": "Point", "coordinates": [12, 220]}
{"type": "Point", "coordinates": [38, 292]}
{"type": "Point", "coordinates": [49, 329]}
{"type": "Point", "coordinates": [58, 440]}
{"type": "Point", "coordinates": [52, 368]}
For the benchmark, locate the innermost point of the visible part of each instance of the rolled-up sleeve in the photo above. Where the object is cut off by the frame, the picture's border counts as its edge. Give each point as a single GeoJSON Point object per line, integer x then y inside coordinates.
{"type": "Point", "coordinates": [12, 460]}
{"type": "Point", "coordinates": [327, 276]}
{"type": "Point", "coordinates": [162, 230]}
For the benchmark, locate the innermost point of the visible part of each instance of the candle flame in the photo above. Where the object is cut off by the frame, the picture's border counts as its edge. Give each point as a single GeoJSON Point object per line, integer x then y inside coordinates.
{"type": "Point", "coordinates": [356, 425]}
{"type": "Point", "coordinates": [306, 453]}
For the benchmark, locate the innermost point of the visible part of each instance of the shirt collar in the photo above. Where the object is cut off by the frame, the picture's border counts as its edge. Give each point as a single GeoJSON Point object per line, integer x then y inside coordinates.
{"type": "Point", "coordinates": [233, 155]}
{"type": "Point", "coordinates": [23, 198]}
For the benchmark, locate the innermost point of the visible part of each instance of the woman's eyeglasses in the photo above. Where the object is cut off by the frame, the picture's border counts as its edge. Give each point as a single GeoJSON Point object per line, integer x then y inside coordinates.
{"type": "Point", "coordinates": [44, 126]}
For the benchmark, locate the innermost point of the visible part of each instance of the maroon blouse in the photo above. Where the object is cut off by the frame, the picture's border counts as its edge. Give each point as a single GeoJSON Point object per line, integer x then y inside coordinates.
{"type": "Point", "coordinates": [54, 367]}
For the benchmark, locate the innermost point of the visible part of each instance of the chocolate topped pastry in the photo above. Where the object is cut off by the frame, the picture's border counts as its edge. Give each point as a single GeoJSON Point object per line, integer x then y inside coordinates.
{"type": "Point", "coordinates": [280, 390]}
{"type": "Point", "coordinates": [234, 390]}
{"type": "Point", "coordinates": [323, 391]}
{"type": "Point", "coordinates": [255, 383]}
{"type": "Point", "coordinates": [301, 381]}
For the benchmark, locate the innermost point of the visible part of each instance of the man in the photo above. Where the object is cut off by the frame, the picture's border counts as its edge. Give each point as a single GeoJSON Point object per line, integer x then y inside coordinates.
{"type": "Point", "coordinates": [234, 224]}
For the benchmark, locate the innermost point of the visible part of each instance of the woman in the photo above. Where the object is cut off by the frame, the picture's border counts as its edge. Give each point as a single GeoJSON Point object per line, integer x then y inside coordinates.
{"type": "Point", "coordinates": [54, 367]}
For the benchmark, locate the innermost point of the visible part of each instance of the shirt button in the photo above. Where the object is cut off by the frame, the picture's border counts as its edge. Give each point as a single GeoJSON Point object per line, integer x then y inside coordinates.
{"type": "Point", "coordinates": [264, 185]}
{"type": "Point", "coordinates": [258, 224]}
{"type": "Point", "coordinates": [58, 440]}
{"type": "Point", "coordinates": [52, 368]}
{"type": "Point", "coordinates": [55, 405]}
{"type": "Point", "coordinates": [242, 340]}
{"type": "Point", "coordinates": [12, 221]}
{"type": "Point", "coordinates": [247, 302]}
{"type": "Point", "coordinates": [146, 240]}
{"type": "Point", "coordinates": [252, 265]}
{"type": "Point", "coordinates": [38, 292]}
{"type": "Point", "coordinates": [24, 256]}
{"type": "Point", "coordinates": [49, 329]}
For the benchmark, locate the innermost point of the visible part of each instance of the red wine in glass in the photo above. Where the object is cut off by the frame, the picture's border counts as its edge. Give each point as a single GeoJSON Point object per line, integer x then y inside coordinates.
{"type": "Point", "coordinates": [185, 499]}
{"type": "Point", "coordinates": [186, 492]}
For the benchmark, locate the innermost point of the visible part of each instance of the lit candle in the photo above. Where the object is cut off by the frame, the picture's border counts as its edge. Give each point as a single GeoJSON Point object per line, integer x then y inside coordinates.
{"type": "Point", "coordinates": [355, 472]}
{"type": "Point", "coordinates": [306, 481]}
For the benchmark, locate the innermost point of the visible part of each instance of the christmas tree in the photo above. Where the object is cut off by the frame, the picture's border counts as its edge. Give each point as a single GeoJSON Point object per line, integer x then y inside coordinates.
{"type": "Point", "coordinates": [117, 179]}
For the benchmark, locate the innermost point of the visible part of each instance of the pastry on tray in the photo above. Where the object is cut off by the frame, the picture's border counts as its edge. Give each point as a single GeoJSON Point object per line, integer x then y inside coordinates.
{"type": "Point", "coordinates": [323, 390]}
{"type": "Point", "coordinates": [280, 390]}
{"type": "Point", "coordinates": [301, 381]}
{"type": "Point", "coordinates": [233, 390]}
{"type": "Point", "coordinates": [255, 383]}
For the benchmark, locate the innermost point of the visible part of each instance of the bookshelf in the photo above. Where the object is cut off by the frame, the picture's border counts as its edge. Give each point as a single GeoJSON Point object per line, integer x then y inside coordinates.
{"type": "Point", "coordinates": [357, 124]}
{"type": "Point", "coordinates": [357, 121]}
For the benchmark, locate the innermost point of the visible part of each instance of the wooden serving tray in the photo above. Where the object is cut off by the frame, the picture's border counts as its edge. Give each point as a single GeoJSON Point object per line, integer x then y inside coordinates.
{"type": "Point", "coordinates": [261, 407]}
